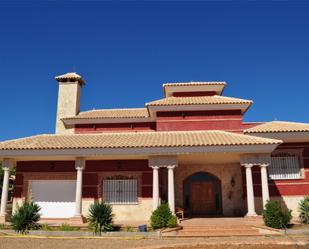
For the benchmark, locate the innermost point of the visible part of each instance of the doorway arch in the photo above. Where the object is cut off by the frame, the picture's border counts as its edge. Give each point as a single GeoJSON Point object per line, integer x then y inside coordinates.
{"type": "Point", "coordinates": [202, 194]}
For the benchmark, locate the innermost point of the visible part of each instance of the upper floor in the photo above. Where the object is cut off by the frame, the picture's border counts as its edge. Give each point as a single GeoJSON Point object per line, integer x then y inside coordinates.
{"type": "Point", "coordinates": [184, 106]}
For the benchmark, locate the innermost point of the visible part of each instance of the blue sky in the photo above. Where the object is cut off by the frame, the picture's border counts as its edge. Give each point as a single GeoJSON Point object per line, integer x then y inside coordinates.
{"type": "Point", "coordinates": [126, 50]}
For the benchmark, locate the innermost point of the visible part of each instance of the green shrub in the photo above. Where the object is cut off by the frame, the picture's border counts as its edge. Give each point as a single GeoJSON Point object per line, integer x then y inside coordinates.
{"type": "Point", "coordinates": [100, 217]}
{"type": "Point", "coordinates": [274, 216]}
{"type": "Point", "coordinates": [303, 209]}
{"type": "Point", "coordinates": [46, 227]}
{"type": "Point", "coordinates": [162, 216]}
{"type": "Point", "coordinates": [172, 222]}
{"type": "Point", "coordinates": [26, 218]}
{"type": "Point", "coordinates": [129, 229]}
{"type": "Point", "coordinates": [67, 227]}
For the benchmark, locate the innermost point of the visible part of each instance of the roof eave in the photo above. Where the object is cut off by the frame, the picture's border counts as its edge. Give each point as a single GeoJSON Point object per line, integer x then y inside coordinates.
{"type": "Point", "coordinates": [239, 149]}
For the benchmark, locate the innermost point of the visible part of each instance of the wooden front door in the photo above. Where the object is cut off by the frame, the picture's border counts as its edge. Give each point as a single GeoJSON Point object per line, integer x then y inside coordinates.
{"type": "Point", "coordinates": [202, 198]}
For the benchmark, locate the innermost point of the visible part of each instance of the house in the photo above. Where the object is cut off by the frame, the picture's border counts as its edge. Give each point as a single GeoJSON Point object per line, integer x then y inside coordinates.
{"type": "Point", "coordinates": [191, 148]}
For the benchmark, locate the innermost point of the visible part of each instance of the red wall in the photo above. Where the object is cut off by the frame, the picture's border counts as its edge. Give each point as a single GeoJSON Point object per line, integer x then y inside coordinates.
{"type": "Point", "coordinates": [192, 94]}
{"type": "Point", "coordinates": [200, 120]}
{"type": "Point", "coordinates": [90, 174]}
{"type": "Point", "coordinates": [283, 187]}
{"type": "Point", "coordinates": [114, 127]}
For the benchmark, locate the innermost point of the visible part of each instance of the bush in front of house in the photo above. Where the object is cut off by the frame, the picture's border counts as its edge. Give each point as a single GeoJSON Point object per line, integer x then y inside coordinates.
{"type": "Point", "coordinates": [274, 216]}
{"type": "Point", "coordinates": [303, 209]}
{"type": "Point", "coordinates": [100, 217]}
{"type": "Point", "coordinates": [172, 221]}
{"type": "Point", "coordinates": [26, 218]}
{"type": "Point", "coordinates": [162, 217]}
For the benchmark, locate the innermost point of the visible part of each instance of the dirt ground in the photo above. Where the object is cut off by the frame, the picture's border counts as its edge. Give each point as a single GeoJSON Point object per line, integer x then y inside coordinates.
{"type": "Point", "coordinates": [299, 242]}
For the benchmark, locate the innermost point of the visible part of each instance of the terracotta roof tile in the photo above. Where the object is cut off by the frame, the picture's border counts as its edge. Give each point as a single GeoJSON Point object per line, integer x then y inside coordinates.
{"type": "Point", "coordinates": [196, 83]}
{"type": "Point", "coordinates": [112, 113]}
{"type": "Point", "coordinates": [134, 140]}
{"type": "Point", "coordinates": [70, 76]}
{"type": "Point", "coordinates": [200, 100]}
{"type": "Point", "coordinates": [279, 126]}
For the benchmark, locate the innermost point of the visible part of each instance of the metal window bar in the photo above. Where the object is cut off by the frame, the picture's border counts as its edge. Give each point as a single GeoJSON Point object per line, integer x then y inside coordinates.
{"type": "Point", "coordinates": [120, 191]}
{"type": "Point", "coordinates": [284, 167]}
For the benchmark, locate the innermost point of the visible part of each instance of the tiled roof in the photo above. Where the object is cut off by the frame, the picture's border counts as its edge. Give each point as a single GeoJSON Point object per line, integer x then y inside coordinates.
{"type": "Point", "coordinates": [112, 113]}
{"type": "Point", "coordinates": [134, 140]}
{"type": "Point", "coordinates": [70, 76]}
{"type": "Point", "coordinates": [279, 126]}
{"type": "Point", "coordinates": [196, 83]}
{"type": "Point", "coordinates": [200, 100]}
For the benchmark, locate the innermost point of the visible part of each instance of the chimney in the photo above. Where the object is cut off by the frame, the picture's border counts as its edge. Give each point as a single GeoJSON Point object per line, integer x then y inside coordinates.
{"type": "Point", "coordinates": [68, 100]}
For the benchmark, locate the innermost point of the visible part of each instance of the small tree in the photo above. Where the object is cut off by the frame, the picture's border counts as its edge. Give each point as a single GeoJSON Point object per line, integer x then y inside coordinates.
{"type": "Point", "coordinates": [274, 216]}
{"type": "Point", "coordinates": [100, 217]}
{"type": "Point", "coordinates": [303, 209]}
{"type": "Point", "coordinates": [26, 218]}
{"type": "Point", "coordinates": [163, 217]}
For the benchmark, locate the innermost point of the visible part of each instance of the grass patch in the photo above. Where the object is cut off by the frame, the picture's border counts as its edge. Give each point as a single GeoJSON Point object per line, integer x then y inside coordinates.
{"type": "Point", "coordinates": [5, 227]}
{"type": "Point", "coordinates": [63, 227]}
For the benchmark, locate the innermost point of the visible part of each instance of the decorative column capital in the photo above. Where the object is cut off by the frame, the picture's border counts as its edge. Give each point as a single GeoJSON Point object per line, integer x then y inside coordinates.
{"type": "Point", "coordinates": [247, 165]}
{"type": "Point", "coordinates": [171, 166]}
{"type": "Point", "coordinates": [7, 164]}
{"type": "Point", "coordinates": [163, 161]}
{"type": "Point", "coordinates": [154, 167]}
{"type": "Point", "coordinates": [264, 165]}
{"type": "Point", "coordinates": [80, 163]}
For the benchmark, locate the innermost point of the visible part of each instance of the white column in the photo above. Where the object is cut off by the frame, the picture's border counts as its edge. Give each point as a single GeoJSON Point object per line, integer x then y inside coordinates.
{"type": "Point", "coordinates": [79, 166]}
{"type": "Point", "coordinates": [6, 165]}
{"type": "Point", "coordinates": [171, 188]}
{"type": "Point", "coordinates": [250, 193]}
{"type": "Point", "coordinates": [264, 180]}
{"type": "Point", "coordinates": [155, 187]}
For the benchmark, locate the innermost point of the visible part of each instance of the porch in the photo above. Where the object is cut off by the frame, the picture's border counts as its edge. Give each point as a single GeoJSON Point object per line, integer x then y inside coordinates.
{"type": "Point", "coordinates": [199, 171]}
{"type": "Point", "coordinates": [202, 184]}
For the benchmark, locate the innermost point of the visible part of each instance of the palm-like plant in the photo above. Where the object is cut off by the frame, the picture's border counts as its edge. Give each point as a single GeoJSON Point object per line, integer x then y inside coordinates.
{"type": "Point", "coordinates": [303, 209]}
{"type": "Point", "coordinates": [26, 218]}
{"type": "Point", "coordinates": [100, 217]}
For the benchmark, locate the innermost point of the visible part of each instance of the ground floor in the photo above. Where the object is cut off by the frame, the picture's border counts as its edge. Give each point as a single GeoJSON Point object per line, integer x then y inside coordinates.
{"type": "Point", "coordinates": [200, 185]}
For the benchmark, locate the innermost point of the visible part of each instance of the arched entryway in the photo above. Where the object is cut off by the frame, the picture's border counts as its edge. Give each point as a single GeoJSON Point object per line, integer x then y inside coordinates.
{"type": "Point", "coordinates": [202, 194]}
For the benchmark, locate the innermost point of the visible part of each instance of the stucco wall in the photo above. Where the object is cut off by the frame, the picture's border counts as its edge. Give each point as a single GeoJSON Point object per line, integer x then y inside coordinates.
{"type": "Point", "coordinates": [232, 200]}
{"type": "Point", "coordinates": [288, 202]}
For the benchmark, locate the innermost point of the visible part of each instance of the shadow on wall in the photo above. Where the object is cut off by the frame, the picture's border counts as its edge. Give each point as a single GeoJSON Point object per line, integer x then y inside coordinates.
{"type": "Point", "coordinates": [274, 193]}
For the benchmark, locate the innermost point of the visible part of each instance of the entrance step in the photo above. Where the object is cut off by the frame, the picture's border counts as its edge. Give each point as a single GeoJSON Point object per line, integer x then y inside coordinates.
{"type": "Point", "coordinates": [214, 231]}
{"type": "Point", "coordinates": [217, 233]}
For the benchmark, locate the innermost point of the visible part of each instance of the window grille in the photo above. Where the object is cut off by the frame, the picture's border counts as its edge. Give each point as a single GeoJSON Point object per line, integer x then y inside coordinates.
{"type": "Point", "coordinates": [284, 166]}
{"type": "Point", "coordinates": [120, 190]}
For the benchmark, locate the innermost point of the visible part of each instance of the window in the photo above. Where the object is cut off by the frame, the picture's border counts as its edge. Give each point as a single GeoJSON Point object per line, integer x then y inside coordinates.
{"type": "Point", "coordinates": [285, 165]}
{"type": "Point", "coordinates": [120, 190]}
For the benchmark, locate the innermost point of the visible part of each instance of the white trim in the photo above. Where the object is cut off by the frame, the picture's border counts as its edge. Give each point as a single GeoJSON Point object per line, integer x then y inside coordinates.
{"type": "Point", "coordinates": [284, 136]}
{"type": "Point", "coordinates": [141, 151]}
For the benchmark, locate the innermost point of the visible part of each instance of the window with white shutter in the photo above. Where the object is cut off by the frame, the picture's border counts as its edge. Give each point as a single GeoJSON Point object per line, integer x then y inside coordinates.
{"type": "Point", "coordinates": [120, 190]}
{"type": "Point", "coordinates": [285, 165]}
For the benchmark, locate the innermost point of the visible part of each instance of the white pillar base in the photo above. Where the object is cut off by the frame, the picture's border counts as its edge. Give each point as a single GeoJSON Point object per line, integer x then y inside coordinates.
{"type": "Point", "coordinates": [3, 218]}
{"type": "Point", "coordinates": [251, 215]}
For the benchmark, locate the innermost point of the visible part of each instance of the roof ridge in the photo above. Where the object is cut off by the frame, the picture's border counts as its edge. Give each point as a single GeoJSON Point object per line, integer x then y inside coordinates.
{"type": "Point", "coordinates": [194, 82]}
{"type": "Point", "coordinates": [113, 109]}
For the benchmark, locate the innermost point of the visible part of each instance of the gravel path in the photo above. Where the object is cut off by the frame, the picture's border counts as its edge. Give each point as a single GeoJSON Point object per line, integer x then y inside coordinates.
{"type": "Point", "coordinates": [298, 242]}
